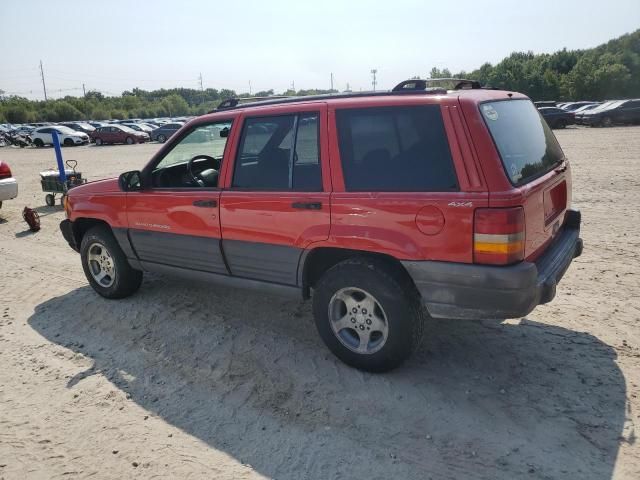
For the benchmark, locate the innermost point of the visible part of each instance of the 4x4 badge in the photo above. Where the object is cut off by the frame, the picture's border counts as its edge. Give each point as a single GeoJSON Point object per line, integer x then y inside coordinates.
{"type": "Point", "coordinates": [460, 204]}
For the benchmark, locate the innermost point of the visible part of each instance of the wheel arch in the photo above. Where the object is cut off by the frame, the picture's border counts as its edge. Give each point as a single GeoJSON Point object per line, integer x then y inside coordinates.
{"type": "Point", "coordinates": [82, 225]}
{"type": "Point", "coordinates": [315, 262]}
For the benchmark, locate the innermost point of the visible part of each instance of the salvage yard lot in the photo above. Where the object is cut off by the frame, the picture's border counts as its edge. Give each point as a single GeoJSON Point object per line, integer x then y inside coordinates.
{"type": "Point", "coordinates": [185, 380]}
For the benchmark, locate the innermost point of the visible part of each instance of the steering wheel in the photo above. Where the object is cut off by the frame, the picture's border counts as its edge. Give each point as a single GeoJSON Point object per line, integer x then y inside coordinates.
{"type": "Point", "coordinates": [208, 174]}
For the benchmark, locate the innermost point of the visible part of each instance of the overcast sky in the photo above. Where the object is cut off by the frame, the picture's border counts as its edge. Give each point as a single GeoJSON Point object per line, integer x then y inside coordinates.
{"type": "Point", "coordinates": [118, 45]}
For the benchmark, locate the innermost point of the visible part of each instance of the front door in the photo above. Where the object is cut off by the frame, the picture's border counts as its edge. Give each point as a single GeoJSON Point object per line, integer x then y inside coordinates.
{"type": "Point", "coordinates": [175, 220]}
{"type": "Point", "coordinates": [276, 201]}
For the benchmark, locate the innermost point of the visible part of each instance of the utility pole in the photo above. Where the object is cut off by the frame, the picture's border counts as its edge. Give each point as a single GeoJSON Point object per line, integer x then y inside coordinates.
{"type": "Point", "coordinates": [348, 87]}
{"type": "Point", "coordinates": [374, 82]}
{"type": "Point", "coordinates": [249, 87]}
{"type": "Point", "coordinates": [293, 86]}
{"type": "Point", "coordinates": [84, 92]}
{"type": "Point", "coordinates": [200, 78]}
{"type": "Point", "coordinates": [332, 81]}
{"type": "Point", "coordinates": [44, 87]}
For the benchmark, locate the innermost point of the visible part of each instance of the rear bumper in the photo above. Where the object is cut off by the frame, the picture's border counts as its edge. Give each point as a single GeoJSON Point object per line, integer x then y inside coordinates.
{"type": "Point", "coordinates": [8, 189]}
{"type": "Point", "coordinates": [467, 291]}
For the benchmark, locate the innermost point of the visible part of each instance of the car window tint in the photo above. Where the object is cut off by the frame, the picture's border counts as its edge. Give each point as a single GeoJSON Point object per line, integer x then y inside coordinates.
{"type": "Point", "coordinates": [395, 149]}
{"type": "Point", "coordinates": [279, 153]}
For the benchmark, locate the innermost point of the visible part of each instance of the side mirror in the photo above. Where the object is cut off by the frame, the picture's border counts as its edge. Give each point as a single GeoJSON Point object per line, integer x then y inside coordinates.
{"type": "Point", "coordinates": [130, 181]}
{"type": "Point", "coordinates": [224, 133]}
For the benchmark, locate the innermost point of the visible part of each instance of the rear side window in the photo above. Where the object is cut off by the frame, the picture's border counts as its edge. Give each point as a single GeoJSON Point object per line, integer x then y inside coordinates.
{"type": "Point", "coordinates": [279, 153]}
{"type": "Point", "coordinates": [395, 149]}
{"type": "Point", "coordinates": [527, 146]}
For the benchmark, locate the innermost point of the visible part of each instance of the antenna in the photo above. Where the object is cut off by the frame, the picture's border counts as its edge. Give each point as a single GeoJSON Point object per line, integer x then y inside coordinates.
{"type": "Point", "coordinates": [374, 81]}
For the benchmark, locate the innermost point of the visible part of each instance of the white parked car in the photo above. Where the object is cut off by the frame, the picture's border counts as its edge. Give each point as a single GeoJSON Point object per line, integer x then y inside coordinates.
{"type": "Point", "coordinates": [42, 136]}
{"type": "Point", "coordinates": [8, 184]}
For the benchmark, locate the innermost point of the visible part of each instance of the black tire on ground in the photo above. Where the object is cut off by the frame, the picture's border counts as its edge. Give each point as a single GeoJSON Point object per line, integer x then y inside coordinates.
{"type": "Point", "coordinates": [68, 142]}
{"type": "Point", "coordinates": [161, 138]}
{"type": "Point", "coordinates": [606, 122]}
{"type": "Point", "coordinates": [50, 199]}
{"type": "Point", "coordinates": [38, 143]}
{"type": "Point", "coordinates": [129, 141]}
{"type": "Point", "coordinates": [98, 141]}
{"type": "Point", "coordinates": [126, 280]}
{"type": "Point", "coordinates": [399, 302]}
{"type": "Point", "coordinates": [561, 124]}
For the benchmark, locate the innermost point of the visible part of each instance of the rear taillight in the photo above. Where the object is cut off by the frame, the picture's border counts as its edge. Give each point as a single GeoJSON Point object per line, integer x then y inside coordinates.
{"type": "Point", "coordinates": [5, 171]}
{"type": "Point", "coordinates": [498, 235]}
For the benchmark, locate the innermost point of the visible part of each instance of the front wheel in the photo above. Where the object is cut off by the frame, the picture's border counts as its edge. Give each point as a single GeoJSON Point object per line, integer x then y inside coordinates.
{"type": "Point", "coordinates": [50, 199]}
{"type": "Point", "coordinates": [106, 266]}
{"type": "Point", "coordinates": [368, 314]}
{"type": "Point", "coordinates": [38, 143]}
{"type": "Point", "coordinates": [607, 122]}
{"type": "Point", "coordinates": [162, 138]}
{"type": "Point", "coordinates": [129, 141]}
{"type": "Point", "coordinates": [561, 124]}
{"type": "Point", "coordinates": [98, 141]}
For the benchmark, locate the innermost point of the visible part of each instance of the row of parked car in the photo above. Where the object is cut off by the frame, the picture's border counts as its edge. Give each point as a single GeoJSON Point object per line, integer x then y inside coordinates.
{"type": "Point", "coordinates": [101, 133]}
{"type": "Point", "coordinates": [594, 114]}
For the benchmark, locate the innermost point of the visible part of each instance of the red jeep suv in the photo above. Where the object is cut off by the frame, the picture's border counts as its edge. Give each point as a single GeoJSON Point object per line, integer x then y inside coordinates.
{"type": "Point", "coordinates": [385, 207]}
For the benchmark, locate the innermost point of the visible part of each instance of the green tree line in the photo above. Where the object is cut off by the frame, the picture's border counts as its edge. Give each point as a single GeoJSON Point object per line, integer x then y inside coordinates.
{"type": "Point", "coordinates": [608, 71]}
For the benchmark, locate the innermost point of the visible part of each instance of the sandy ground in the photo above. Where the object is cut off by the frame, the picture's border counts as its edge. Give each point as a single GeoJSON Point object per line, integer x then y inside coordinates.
{"type": "Point", "coordinates": [185, 380]}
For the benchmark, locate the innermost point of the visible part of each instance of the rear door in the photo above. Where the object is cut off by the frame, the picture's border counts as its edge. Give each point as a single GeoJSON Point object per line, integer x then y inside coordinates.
{"type": "Point", "coordinates": [276, 202]}
{"type": "Point", "coordinates": [537, 172]}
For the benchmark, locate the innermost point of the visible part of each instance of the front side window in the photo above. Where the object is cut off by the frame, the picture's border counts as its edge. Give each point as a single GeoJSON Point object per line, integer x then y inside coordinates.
{"type": "Point", "coordinates": [526, 145]}
{"type": "Point", "coordinates": [195, 160]}
{"type": "Point", "coordinates": [279, 153]}
{"type": "Point", "coordinates": [395, 149]}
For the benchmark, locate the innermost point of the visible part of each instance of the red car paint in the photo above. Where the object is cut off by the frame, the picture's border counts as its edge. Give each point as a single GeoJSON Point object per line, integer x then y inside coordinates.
{"type": "Point", "coordinates": [383, 222]}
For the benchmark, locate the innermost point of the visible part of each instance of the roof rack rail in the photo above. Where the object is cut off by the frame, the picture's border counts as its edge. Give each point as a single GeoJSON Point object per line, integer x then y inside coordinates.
{"type": "Point", "coordinates": [418, 84]}
{"type": "Point", "coordinates": [408, 87]}
{"type": "Point", "coordinates": [234, 102]}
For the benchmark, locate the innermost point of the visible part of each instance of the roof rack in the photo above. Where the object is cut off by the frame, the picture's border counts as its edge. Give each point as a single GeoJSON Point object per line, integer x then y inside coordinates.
{"type": "Point", "coordinates": [420, 84]}
{"type": "Point", "coordinates": [407, 87]}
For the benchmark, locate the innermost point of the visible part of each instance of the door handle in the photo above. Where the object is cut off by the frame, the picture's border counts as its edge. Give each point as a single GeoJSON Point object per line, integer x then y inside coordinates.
{"type": "Point", "coordinates": [307, 205]}
{"type": "Point", "coordinates": [205, 203]}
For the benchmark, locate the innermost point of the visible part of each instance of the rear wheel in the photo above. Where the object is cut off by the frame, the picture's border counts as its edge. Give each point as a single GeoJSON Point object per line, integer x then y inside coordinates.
{"type": "Point", "coordinates": [368, 315]}
{"type": "Point", "coordinates": [38, 143]}
{"type": "Point", "coordinates": [129, 141]}
{"type": "Point", "coordinates": [106, 266]}
{"type": "Point", "coordinates": [50, 199]}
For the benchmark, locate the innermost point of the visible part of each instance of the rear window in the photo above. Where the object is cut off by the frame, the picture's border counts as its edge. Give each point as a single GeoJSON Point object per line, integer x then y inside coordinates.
{"type": "Point", "coordinates": [395, 149]}
{"type": "Point", "coordinates": [526, 145]}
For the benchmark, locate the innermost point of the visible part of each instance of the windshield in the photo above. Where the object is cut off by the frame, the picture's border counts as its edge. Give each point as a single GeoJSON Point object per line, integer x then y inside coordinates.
{"type": "Point", "coordinates": [65, 130]}
{"type": "Point", "coordinates": [526, 145]}
{"type": "Point", "coordinates": [124, 128]}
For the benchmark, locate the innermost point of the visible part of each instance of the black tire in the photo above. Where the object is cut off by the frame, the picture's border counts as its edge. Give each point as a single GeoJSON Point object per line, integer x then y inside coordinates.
{"type": "Point", "coordinates": [50, 199]}
{"type": "Point", "coordinates": [38, 143]}
{"type": "Point", "coordinates": [129, 141]}
{"type": "Point", "coordinates": [68, 142]}
{"type": "Point", "coordinates": [606, 122]}
{"type": "Point", "coordinates": [561, 124]}
{"type": "Point", "coordinates": [126, 280]}
{"type": "Point", "coordinates": [396, 296]}
{"type": "Point", "coordinates": [98, 141]}
{"type": "Point", "coordinates": [162, 138]}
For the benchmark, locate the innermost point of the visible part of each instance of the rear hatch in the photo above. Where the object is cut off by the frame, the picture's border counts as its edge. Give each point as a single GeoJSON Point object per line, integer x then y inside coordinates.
{"type": "Point", "coordinates": [535, 167]}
